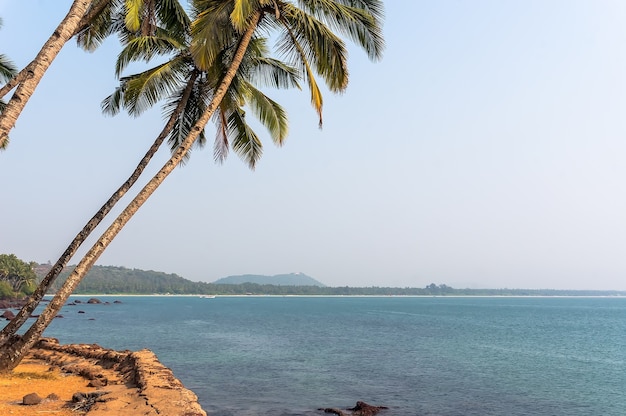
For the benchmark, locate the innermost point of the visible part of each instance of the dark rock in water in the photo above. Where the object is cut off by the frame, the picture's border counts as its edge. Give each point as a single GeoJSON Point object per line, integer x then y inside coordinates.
{"type": "Point", "coordinates": [59, 316]}
{"type": "Point", "coordinates": [31, 399]}
{"type": "Point", "coordinates": [361, 409]}
{"type": "Point", "coordinates": [81, 311]}
{"type": "Point", "coordinates": [12, 303]}
{"type": "Point", "coordinates": [364, 409]}
{"type": "Point", "coordinates": [117, 301]}
{"type": "Point", "coordinates": [8, 315]}
{"type": "Point", "coordinates": [78, 301]}
{"type": "Point", "coordinates": [91, 319]}
{"type": "Point", "coordinates": [94, 300]}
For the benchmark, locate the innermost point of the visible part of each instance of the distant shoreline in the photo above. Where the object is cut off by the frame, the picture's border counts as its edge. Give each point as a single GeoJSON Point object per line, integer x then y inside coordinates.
{"type": "Point", "coordinates": [344, 296]}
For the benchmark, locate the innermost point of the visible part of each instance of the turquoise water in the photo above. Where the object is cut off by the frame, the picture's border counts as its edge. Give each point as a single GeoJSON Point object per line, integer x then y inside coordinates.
{"type": "Point", "coordinates": [418, 356]}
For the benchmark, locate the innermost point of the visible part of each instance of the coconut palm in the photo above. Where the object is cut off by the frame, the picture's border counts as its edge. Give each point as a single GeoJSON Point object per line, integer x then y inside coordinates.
{"type": "Point", "coordinates": [188, 88]}
{"type": "Point", "coordinates": [7, 71]}
{"type": "Point", "coordinates": [30, 77]}
{"type": "Point", "coordinates": [189, 91]}
{"type": "Point", "coordinates": [92, 21]}
{"type": "Point", "coordinates": [96, 26]}
{"type": "Point", "coordinates": [305, 38]}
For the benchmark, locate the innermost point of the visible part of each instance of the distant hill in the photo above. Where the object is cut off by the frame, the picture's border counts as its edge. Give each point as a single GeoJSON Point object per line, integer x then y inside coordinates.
{"type": "Point", "coordinates": [291, 279]}
{"type": "Point", "coordinates": [116, 280]}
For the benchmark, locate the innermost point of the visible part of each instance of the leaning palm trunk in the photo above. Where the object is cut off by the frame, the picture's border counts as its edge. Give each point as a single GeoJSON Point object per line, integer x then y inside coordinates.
{"type": "Point", "coordinates": [13, 353]}
{"type": "Point", "coordinates": [54, 272]}
{"type": "Point", "coordinates": [29, 79]}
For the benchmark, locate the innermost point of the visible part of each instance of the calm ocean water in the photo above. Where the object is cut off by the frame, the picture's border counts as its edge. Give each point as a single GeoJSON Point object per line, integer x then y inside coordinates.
{"type": "Point", "coordinates": [284, 356]}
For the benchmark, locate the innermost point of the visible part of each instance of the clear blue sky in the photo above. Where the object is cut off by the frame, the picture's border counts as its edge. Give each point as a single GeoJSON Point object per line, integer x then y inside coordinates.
{"type": "Point", "coordinates": [487, 149]}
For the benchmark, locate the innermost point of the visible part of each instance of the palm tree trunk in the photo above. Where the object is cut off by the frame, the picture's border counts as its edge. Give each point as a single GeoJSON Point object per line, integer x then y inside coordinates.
{"type": "Point", "coordinates": [11, 355]}
{"type": "Point", "coordinates": [54, 272]}
{"type": "Point", "coordinates": [38, 67]}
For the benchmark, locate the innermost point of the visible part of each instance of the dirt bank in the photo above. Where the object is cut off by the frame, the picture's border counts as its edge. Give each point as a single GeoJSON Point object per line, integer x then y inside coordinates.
{"type": "Point", "coordinates": [113, 383]}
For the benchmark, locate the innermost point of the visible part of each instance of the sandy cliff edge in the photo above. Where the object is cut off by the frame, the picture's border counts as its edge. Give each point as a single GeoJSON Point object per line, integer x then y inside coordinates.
{"type": "Point", "coordinates": [117, 382]}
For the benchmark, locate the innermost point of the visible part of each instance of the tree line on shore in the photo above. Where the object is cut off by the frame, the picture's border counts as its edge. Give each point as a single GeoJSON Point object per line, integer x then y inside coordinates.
{"type": "Point", "coordinates": [121, 280]}
{"type": "Point", "coordinates": [17, 277]}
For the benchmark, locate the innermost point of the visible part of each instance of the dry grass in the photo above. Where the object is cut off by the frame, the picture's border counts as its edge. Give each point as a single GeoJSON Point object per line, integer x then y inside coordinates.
{"type": "Point", "coordinates": [36, 377]}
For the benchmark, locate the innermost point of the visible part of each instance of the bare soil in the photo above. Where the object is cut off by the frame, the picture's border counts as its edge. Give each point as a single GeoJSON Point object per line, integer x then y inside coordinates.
{"type": "Point", "coordinates": [109, 382]}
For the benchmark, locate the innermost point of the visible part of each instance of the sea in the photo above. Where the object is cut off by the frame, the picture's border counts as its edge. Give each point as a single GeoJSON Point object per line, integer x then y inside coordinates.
{"type": "Point", "coordinates": [446, 356]}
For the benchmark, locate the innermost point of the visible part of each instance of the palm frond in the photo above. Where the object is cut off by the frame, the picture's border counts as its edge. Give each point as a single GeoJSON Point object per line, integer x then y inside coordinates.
{"type": "Point", "coordinates": [274, 73]}
{"type": "Point", "coordinates": [241, 13]}
{"type": "Point", "coordinates": [173, 17]}
{"type": "Point", "coordinates": [195, 106]}
{"type": "Point", "coordinates": [142, 91]}
{"type": "Point", "coordinates": [357, 19]}
{"type": "Point", "coordinates": [133, 17]}
{"type": "Point", "coordinates": [269, 113]}
{"type": "Point", "coordinates": [112, 104]}
{"type": "Point", "coordinates": [246, 143]}
{"type": "Point", "coordinates": [308, 39]}
{"type": "Point", "coordinates": [211, 32]}
{"type": "Point", "coordinates": [221, 145]}
{"type": "Point", "coordinates": [7, 68]}
{"type": "Point", "coordinates": [145, 48]}
{"type": "Point", "coordinates": [102, 25]}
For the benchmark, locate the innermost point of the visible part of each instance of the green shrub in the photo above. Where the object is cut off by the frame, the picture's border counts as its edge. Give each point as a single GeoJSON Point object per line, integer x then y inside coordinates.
{"type": "Point", "coordinates": [6, 291]}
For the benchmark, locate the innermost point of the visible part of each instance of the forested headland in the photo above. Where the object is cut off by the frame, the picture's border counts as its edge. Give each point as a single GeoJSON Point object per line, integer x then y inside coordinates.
{"type": "Point", "coordinates": [121, 280]}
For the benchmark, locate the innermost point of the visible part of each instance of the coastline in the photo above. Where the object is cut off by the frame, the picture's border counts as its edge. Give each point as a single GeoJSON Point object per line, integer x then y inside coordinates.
{"type": "Point", "coordinates": [114, 382]}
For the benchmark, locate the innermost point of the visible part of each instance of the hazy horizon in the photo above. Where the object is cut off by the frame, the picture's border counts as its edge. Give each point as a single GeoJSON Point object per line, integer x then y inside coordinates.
{"type": "Point", "coordinates": [485, 150]}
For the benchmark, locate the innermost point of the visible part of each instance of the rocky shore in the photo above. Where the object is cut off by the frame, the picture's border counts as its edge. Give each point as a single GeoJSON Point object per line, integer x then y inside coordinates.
{"type": "Point", "coordinates": [118, 382]}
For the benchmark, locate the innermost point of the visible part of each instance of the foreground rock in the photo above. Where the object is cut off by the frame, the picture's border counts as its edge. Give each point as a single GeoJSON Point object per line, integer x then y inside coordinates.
{"type": "Point", "coordinates": [132, 383]}
{"type": "Point", "coordinates": [31, 399]}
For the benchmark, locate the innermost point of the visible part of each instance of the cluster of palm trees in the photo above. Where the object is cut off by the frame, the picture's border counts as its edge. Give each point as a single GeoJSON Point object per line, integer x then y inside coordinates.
{"type": "Point", "coordinates": [216, 60]}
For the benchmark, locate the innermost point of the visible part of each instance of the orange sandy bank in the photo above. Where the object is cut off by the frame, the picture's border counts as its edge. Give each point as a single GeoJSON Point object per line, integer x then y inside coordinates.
{"type": "Point", "coordinates": [107, 382]}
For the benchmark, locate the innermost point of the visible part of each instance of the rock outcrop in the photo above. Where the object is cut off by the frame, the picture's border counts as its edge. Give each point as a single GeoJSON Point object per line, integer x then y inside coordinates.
{"type": "Point", "coordinates": [361, 409]}
{"type": "Point", "coordinates": [126, 382]}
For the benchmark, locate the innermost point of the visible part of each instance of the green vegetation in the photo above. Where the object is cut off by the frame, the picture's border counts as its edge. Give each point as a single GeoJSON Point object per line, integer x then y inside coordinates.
{"type": "Point", "coordinates": [17, 278]}
{"type": "Point", "coordinates": [120, 280]}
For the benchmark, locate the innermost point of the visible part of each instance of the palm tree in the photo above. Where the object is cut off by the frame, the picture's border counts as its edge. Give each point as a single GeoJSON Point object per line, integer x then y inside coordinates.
{"type": "Point", "coordinates": [92, 33]}
{"type": "Point", "coordinates": [305, 38]}
{"type": "Point", "coordinates": [140, 91]}
{"type": "Point", "coordinates": [32, 74]}
{"type": "Point", "coordinates": [7, 71]}
{"type": "Point", "coordinates": [91, 20]}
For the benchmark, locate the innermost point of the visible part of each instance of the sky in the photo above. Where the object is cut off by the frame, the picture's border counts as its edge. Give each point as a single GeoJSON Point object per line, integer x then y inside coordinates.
{"type": "Point", "coordinates": [485, 150]}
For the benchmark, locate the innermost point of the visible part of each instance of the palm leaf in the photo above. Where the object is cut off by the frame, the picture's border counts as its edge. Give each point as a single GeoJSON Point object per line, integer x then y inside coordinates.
{"type": "Point", "coordinates": [102, 25]}
{"type": "Point", "coordinates": [221, 145]}
{"type": "Point", "coordinates": [211, 32]}
{"type": "Point", "coordinates": [246, 143]}
{"type": "Point", "coordinates": [133, 16]}
{"type": "Point", "coordinates": [142, 91]}
{"type": "Point", "coordinates": [145, 48]}
{"type": "Point", "coordinates": [7, 68]}
{"type": "Point", "coordinates": [359, 20]}
{"type": "Point", "coordinates": [269, 113]}
{"type": "Point", "coordinates": [308, 39]}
